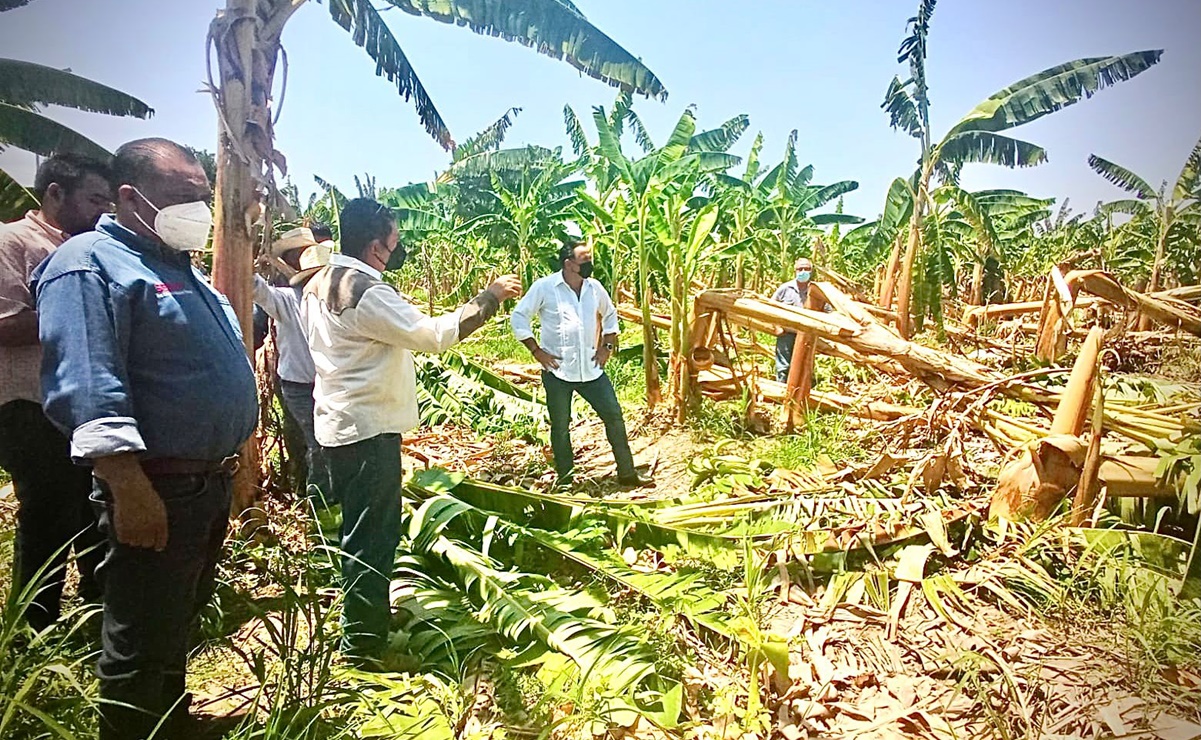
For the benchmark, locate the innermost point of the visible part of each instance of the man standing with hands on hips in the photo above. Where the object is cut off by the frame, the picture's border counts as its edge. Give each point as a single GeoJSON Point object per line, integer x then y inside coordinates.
{"type": "Point", "coordinates": [579, 332]}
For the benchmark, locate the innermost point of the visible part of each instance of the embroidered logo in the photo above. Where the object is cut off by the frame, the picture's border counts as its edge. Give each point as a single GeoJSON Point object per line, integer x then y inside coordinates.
{"type": "Point", "coordinates": [166, 289]}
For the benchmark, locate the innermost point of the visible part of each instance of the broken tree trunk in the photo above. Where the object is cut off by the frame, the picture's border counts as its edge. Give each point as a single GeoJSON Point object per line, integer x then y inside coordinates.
{"type": "Point", "coordinates": [1170, 312]}
{"type": "Point", "coordinates": [245, 38]}
{"type": "Point", "coordinates": [1034, 483]}
{"type": "Point", "coordinates": [933, 367]}
{"type": "Point", "coordinates": [800, 371]}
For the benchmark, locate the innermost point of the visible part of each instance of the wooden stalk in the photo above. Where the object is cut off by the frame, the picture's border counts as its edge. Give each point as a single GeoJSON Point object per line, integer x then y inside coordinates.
{"type": "Point", "coordinates": [1090, 482]}
{"type": "Point", "coordinates": [800, 370]}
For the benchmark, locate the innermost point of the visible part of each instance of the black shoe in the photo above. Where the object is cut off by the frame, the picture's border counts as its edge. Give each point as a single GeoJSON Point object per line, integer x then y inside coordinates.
{"type": "Point", "coordinates": [637, 480]}
{"type": "Point", "coordinates": [563, 483]}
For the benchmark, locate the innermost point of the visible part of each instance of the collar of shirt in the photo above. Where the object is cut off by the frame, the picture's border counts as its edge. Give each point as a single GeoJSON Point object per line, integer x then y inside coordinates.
{"type": "Point", "coordinates": [342, 260]}
{"type": "Point", "coordinates": [109, 226]}
{"type": "Point", "coordinates": [36, 218]}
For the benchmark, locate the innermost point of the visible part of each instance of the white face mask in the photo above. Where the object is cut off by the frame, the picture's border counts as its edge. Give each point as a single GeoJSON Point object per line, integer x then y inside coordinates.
{"type": "Point", "coordinates": [184, 227]}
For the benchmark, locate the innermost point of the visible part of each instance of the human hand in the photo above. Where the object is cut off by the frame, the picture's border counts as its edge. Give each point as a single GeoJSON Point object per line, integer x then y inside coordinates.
{"type": "Point", "coordinates": [139, 515]}
{"type": "Point", "coordinates": [140, 518]}
{"type": "Point", "coordinates": [505, 287]}
{"type": "Point", "coordinates": [602, 356]}
{"type": "Point", "coordinates": [546, 359]}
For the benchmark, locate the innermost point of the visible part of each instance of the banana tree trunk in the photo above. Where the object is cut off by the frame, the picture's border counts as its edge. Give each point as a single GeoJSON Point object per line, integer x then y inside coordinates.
{"type": "Point", "coordinates": [905, 285]}
{"type": "Point", "coordinates": [976, 298]}
{"type": "Point", "coordinates": [1144, 321]}
{"type": "Point", "coordinates": [245, 37]}
{"type": "Point", "coordinates": [888, 289]}
{"type": "Point", "coordinates": [650, 357]}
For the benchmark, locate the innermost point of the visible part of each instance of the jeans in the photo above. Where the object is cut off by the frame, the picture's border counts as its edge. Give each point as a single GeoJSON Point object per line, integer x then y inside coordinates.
{"type": "Point", "coordinates": [151, 600]}
{"type": "Point", "coordinates": [602, 398]}
{"type": "Point", "coordinates": [785, 343]}
{"type": "Point", "coordinates": [53, 513]}
{"type": "Point", "coordinates": [298, 402]}
{"type": "Point", "coordinates": [366, 481]}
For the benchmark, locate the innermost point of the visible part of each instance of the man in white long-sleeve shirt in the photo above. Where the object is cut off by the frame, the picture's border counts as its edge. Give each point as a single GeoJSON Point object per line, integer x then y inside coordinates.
{"type": "Point", "coordinates": [295, 367]}
{"type": "Point", "coordinates": [361, 333]}
{"type": "Point", "coordinates": [579, 331]}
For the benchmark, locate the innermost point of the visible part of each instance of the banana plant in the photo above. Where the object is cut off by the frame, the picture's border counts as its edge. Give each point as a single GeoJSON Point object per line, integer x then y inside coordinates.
{"type": "Point", "coordinates": [25, 87]}
{"type": "Point", "coordinates": [645, 183]}
{"type": "Point", "coordinates": [976, 137]}
{"type": "Point", "coordinates": [1175, 215]}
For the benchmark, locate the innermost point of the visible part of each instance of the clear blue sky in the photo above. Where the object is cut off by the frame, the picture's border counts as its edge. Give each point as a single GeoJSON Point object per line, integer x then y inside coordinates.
{"type": "Point", "coordinates": [820, 68]}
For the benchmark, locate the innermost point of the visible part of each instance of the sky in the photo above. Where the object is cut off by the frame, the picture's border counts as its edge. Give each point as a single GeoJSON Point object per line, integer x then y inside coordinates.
{"type": "Point", "coordinates": [818, 67]}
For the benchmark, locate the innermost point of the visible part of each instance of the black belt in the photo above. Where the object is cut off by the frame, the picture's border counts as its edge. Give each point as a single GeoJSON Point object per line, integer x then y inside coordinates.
{"type": "Point", "coordinates": [183, 466]}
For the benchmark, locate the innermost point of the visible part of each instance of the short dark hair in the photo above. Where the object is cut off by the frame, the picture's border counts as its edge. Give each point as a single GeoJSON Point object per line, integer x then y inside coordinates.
{"type": "Point", "coordinates": [363, 220]}
{"type": "Point", "coordinates": [567, 250]}
{"type": "Point", "coordinates": [136, 160]}
{"type": "Point", "coordinates": [68, 170]}
{"type": "Point", "coordinates": [321, 232]}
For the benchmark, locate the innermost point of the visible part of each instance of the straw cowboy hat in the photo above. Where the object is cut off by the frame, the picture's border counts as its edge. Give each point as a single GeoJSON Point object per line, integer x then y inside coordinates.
{"type": "Point", "coordinates": [298, 238]}
{"type": "Point", "coordinates": [312, 259]}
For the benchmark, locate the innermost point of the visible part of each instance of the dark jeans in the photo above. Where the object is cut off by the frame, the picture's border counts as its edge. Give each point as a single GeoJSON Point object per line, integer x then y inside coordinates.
{"type": "Point", "coordinates": [785, 343]}
{"type": "Point", "coordinates": [151, 600]}
{"type": "Point", "coordinates": [602, 398]}
{"type": "Point", "coordinates": [366, 480]}
{"type": "Point", "coordinates": [53, 514]}
{"type": "Point", "coordinates": [298, 403]}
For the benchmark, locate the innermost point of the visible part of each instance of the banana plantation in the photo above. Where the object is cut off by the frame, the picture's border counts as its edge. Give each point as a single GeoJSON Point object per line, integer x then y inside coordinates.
{"type": "Point", "coordinates": [966, 505]}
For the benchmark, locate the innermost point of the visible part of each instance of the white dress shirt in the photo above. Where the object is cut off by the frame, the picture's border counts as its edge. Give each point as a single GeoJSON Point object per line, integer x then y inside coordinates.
{"type": "Point", "coordinates": [283, 306]}
{"type": "Point", "coordinates": [365, 383]}
{"type": "Point", "coordinates": [571, 325]}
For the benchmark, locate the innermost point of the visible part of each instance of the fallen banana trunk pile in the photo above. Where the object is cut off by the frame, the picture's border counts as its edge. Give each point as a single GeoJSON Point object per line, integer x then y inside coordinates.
{"type": "Point", "coordinates": [1048, 462]}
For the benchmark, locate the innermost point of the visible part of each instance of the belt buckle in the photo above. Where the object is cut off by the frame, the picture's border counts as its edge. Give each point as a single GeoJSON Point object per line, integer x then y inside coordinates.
{"type": "Point", "coordinates": [230, 465]}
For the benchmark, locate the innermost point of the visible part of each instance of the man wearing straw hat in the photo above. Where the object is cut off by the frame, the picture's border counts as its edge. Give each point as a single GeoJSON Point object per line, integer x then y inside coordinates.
{"type": "Point", "coordinates": [303, 255]}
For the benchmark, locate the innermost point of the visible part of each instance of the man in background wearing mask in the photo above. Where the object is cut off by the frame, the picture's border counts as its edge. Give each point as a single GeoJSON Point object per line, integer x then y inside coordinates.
{"type": "Point", "coordinates": [362, 334]}
{"type": "Point", "coordinates": [144, 369]}
{"type": "Point", "coordinates": [301, 253]}
{"type": "Point", "coordinates": [793, 293]}
{"type": "Point", "coordinates": [579, 333]}
{"type": "Point", "coordinates": [52, 492]}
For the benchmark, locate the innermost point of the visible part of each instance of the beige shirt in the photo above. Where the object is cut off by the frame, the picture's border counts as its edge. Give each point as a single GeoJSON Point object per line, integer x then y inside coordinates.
{"type": "Point", "coordinates": [362, 333]}
{"type": "Point", "coordinates": [23, 246]}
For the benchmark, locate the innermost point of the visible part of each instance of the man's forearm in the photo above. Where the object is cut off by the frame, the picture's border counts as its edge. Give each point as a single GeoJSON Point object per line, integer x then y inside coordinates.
{"type": "Point", "coordinates": [531, 344]}
{"type": "Point", "coordinates": [19, 330]}
{"type": "Point", "coordinates": [609, 339]}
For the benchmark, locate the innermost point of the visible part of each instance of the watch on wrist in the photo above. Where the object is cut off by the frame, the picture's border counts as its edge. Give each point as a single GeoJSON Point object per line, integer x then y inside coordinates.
{"type": "Point", "coordinates": [609, 346]}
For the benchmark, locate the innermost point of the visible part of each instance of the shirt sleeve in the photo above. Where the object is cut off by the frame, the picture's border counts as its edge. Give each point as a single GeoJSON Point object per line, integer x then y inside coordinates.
{"type": "Point", "coordinates": [384, 316]}
{"type": "Point", "coordinates": [14, 278]}
{"type": "Point", "coordinates": [523, 314]}
{"type": "Point", "coordinates": [84, 329]}
{"type": "Point", "coordinates": [609, 323]}
{"type": "Point", "coordinates": [271, 299]}
{"type": "Point", "coordinates": [781, 294]}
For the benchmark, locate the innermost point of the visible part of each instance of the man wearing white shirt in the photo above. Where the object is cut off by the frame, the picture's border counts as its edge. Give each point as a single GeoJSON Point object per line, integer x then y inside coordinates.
{"type": "Point", "coordinates": [362, 333]}
{"type": "Point", "coordinates": [295, 367]}
{"type": "Point", "coordinates": [579, 331]}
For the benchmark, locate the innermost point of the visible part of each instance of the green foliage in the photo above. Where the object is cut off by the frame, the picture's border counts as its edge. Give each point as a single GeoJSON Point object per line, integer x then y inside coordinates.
{"type": "Point", "coordinates": [46, 685]}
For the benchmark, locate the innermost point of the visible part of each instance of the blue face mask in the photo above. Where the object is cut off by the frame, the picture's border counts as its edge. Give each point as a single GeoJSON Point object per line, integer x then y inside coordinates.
{"type": "Point", "coordinates": [804, 275]}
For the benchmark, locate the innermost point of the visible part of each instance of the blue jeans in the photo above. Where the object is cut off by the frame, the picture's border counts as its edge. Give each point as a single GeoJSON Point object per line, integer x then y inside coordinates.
{"type": "Point", "coordinates": [298, 402]}
{"type": "Point", "coordinates": [366, 481]}
{"type": "Point", "coordinates": [602, 398]}
{"type": "Point", "coordinates": [151, 600]}
{"type": "Point", "coordinates": [785, 343]}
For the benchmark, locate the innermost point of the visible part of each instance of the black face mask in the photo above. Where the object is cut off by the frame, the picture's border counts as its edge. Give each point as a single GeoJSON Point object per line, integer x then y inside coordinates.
{"type": "Point", "coordinates": [586, 269]}
{"type": "Point", "coordinates": [397, 259]}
